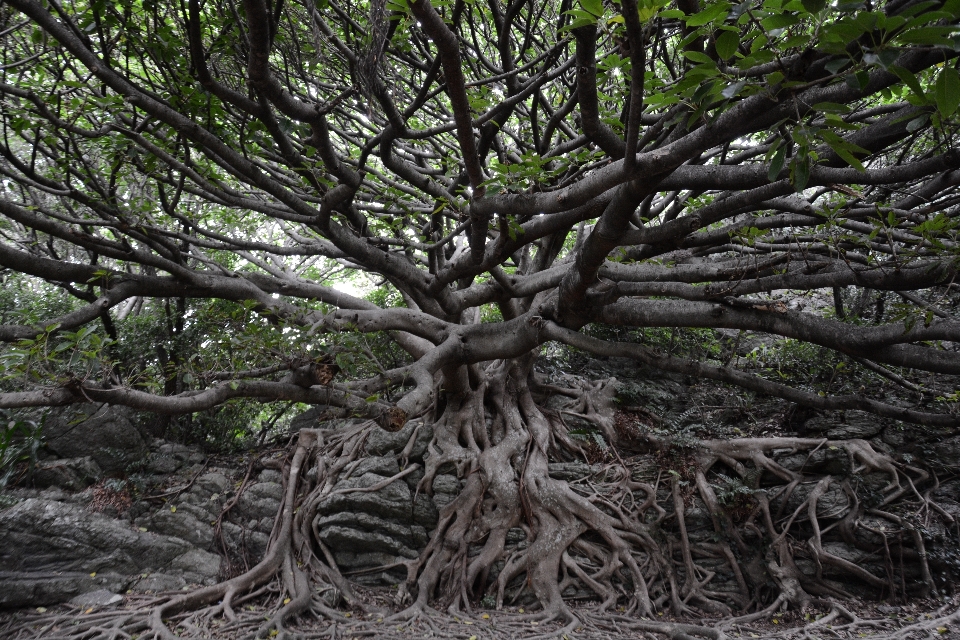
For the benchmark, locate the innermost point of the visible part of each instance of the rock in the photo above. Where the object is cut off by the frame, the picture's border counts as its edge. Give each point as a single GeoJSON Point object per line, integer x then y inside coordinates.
{"type": "Point", "coordinates": [270, 475]}
{"type": "Point", "coordinates": [827, 460]}
{"type": "Point", "coordinates": [261, 500]}
{"type": "Point", "coordinates": [157, 582]}
{"type": "Point", "coordinates": [381, 465]}
{"type": "Point", "coordinates": [248, 541]}
{"type": "Point", "coordinates": [195, 566]}
{"type": "Point", "coordinates": [309, 419]}
{"type": "Point", "coordinates": [393, 502]}
{"type": "Point", "coordinates": [98, 598]}
{"type": "Point", "coordinates": [37, 588]}
{"type": "Point", "coordinates": [445, 489]}
{"type": "Point", "coordinates": [51, 552]}
{"type": "Point", "coordinates": [162, 464]}
{"type": "Point", "coordinates": [846, 425]}
{"type": "Point", "coordinates": [358, 542]}
{"type": "Point", "coordinates": [68, 473]}
{"type": "Point", "coordinates": [413, 536]}
{"type": "Point", "coordinates": [425, 512]}
{"type": "Point", "coordinates": [380, 442]}
{"type": "Point", "coordinates": [103, 432]}
{"type": "Point", "coordinates": [188, 522]}
{"type": "Point", "coordinates": [213, 482]}
{"type": "Point", "coordinates": [446, 483]}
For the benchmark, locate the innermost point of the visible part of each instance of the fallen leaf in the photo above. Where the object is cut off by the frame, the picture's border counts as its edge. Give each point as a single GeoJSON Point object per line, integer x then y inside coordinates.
{"type": "Point", "coordinates": [485, 616]}
{"type": "Point", "coordinates": [93, 575]}
{"type": "Point", "coordinates": [41, 609]}
{"type": "Point", "coordinates": [286, 601]}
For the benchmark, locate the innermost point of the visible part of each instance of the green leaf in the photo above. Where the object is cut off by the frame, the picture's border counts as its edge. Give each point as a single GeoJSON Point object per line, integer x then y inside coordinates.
{"type": "Point", "coordinates": [697, 56]}
{"type": "Point", "coordinates": [709, 14]}
{"type": "Point", "coordinates": [814, 6]}
{"type": "Point", "coordinates": [779, 21]}
{"type": "Point", "coordinates": [800, 171]}
{"type": "Point", "coordinates": [776, 166]}
{"type": "Point", "coordinates": [594, 7]}
{"type": "Point", "coordinates": [727, 44]}
{"type": "Point", "coordinates": [947, 91]}
{"type": "Point", "coordinates": [580, 19]}
{"type": "Point", "coordinates": [733, 89]}
{"type": "Point", "coordinates": [838, 63]}
{"type": "Point", "coordinates": [928, 35]}
{"type": "Point", "coordinates": [915, 124]}
{"type": "Point", "coordinates": [908, 79]}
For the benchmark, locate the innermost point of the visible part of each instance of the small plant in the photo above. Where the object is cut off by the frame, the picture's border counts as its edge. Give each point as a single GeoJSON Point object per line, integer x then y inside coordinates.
{"type": "Point", "coordinates": [19, 442]}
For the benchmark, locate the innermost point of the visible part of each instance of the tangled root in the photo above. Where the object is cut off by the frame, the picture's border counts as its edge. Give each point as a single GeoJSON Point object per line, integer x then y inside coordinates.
{"type": "Point", "coordinates": [652, 532]}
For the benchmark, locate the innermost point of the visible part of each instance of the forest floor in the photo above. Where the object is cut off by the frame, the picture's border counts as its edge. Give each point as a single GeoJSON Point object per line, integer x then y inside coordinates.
{"type": "Point", "coordinates": [875, 621]}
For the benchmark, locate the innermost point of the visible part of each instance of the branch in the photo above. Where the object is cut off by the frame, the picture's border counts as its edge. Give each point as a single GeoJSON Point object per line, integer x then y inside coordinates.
{"type": "Point", "coordinates": [744, 380]}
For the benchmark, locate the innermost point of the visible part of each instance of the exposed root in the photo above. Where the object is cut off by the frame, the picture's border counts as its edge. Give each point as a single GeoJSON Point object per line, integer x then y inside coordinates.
{"type": "Point", "coordinates": [651, 532]}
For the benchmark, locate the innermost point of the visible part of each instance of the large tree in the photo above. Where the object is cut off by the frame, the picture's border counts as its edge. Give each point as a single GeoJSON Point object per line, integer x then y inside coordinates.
{"type": "Point", "coordinates": [519, 174]}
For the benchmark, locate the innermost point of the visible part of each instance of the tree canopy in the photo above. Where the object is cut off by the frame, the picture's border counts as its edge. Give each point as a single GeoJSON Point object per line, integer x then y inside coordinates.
{"type": "Point", "coordinates": [510, 174]}
{"type": "Point", "coordinates": [547, 166]}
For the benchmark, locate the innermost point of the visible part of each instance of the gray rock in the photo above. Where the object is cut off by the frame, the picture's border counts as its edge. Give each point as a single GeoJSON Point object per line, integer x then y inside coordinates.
{"type": "Point", "coordinates": [309, 419]}
{"type": "Point", "coordinates": [163, 464]}
{"type": "Point", "coordinates": [259, 501]}
{"type": "Point", "coordinates": [446, 483]}
{"type": "Point", "coordinates": [357, 541]}
{"type": "Point", "coordinates": [425, 512]}
{"type": "Point", "coordinates": [381, 465]}
{"type": "Point", "coordinates": [68, 473]}
{"type": "Point", "coordinates": [103, 432]}
{"type": "Point", "coordinates": [51, 552]}
{"type": "Point", "coordinates": [270, 475]}
{"type": "Point", "coordinates": [846, 425]}
{"type": "Point", "coordinates": [256, 544]}
{"type": "Point", "coordinates": [265, 491]}
{"type": "Point", "coordinates": [188, 522]}
{"type": "Point", "coordinates": [413, 536]}
{"type": "Point", "coordinates": [176, 450]}
{"type": "Point", "coordinates": [98, 598]}
{"type": "Point", "coordinates": [353, 561]}
{"type": "Point", "coordinates": [242, 542]}
{"type": "Point", "coordinates": [196, 566]}
{"type": "Point", "coordinates": [157, 582]}
{"type": "Point", "coordinates": [826, 460]}
{"type": "Point", "coordinates": [30, 589]}
{"type": "Point", "coordinates": [213, 482]}
{"type": "Point", "coordinates": [381, 443]}
{"type": "Point", "coordinates": [393, 502]}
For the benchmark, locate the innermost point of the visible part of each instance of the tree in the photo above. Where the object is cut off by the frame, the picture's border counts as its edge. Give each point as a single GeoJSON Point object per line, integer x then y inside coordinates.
{"type": "Point", "coordinates": [519, 174]}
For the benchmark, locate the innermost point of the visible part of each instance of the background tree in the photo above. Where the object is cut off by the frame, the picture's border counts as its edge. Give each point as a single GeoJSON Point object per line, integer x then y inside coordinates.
{"type": "Point", "coordinates": [518, 174]}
